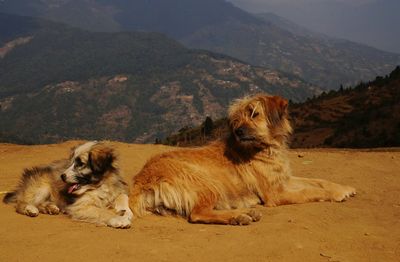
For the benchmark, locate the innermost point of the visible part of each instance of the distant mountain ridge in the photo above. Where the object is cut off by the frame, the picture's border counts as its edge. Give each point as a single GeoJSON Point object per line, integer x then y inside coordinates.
{"type": "Point", "coordinates": [59, 83]}
{"type": "Point", "coordinates": [216, 25]}
{"type": "Point", "coordinates": [290, 26]}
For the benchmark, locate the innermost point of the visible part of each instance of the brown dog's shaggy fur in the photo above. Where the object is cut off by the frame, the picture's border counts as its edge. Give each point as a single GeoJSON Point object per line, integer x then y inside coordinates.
{"type": "Point", "coordinates": [216, 183]}
{"type": "Point", "coordinates": [87, 187]}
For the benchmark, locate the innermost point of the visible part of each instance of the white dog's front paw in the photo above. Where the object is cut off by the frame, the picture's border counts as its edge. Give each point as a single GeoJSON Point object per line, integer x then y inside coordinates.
{"type": "Point", "coordinates": [31, 211]}
{"type": "Point", "coordinates": [119, 222]}
{"type": "Point", "coordinates": [129, 214]}
{"type": "Point", "coordinates": [126, 213]}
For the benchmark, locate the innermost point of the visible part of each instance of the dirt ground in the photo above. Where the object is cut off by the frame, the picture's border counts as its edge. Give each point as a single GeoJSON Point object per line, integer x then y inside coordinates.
{"type": "Point", "coordinates": [364, 228]}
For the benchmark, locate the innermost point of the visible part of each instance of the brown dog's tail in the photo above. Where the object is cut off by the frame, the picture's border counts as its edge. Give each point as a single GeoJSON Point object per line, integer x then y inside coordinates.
{"type": "Point", "coordinates": [137, 203]}
{"type": "Point", "coordinates": [162, 199]}
{"type": "Point", "coordinates": [10, 197]}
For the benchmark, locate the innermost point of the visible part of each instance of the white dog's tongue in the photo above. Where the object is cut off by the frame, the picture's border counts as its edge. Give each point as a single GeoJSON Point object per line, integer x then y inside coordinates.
{"type": "Point", "coordinates": [73, 188]}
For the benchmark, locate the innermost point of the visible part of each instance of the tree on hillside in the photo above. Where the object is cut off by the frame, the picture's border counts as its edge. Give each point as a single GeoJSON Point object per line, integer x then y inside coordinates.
{"type": "Point", "coordinates": [208, 126]}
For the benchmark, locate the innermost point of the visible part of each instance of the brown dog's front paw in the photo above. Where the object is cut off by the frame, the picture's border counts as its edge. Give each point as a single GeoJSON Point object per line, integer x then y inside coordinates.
{"type": "Point", "coordinates": [343, 193]}
{"type": "Point", "coordinates": [241, 220]}
{"type": "Point", "coordinates": [255, 215]}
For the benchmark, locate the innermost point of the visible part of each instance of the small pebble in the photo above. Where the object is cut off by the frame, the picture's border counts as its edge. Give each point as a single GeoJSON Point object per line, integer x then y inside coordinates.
{"type": "Point", "coordinates": [324, 255]}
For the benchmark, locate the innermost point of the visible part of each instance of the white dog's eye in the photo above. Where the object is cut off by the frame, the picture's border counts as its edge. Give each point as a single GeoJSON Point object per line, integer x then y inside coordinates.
{"type": "Point", "coordinates": [78, 162]}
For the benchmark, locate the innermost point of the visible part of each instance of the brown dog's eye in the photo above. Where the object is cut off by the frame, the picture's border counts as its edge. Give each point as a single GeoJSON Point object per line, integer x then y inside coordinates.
{"type": "Point", "coordinates": [78, 162]}
{"type": "Point", "coordinates": [254, 114]}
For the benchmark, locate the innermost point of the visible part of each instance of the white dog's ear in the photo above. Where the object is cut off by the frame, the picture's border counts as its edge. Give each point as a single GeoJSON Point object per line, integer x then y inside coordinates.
{"type": "Point", "coordinates": [275, 108]}
{"type": "Point", "coordinates": [72, 152]}
{"type": "Point", "coordinates": [101, 159]}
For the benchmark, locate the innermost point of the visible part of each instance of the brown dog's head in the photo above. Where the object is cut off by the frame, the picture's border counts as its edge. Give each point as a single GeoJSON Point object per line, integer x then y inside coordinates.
{"type": "Point", "coordinates": [260, 121]}
{"type": "Point", "coordinates": [89, 163]}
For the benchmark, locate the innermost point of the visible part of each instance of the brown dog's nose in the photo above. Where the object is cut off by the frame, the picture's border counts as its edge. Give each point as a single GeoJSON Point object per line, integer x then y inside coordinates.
{"type": "Point", "coordinates": [64, 177]}
{"type": "Point", "coordinates": [240, 132]}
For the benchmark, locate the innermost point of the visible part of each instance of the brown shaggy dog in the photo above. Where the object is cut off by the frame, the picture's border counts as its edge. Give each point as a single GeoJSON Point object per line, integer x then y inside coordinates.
{"type": "Point", "coordinates": [87, 187]}
{"type": "Point", "coordinates": [217, 182]}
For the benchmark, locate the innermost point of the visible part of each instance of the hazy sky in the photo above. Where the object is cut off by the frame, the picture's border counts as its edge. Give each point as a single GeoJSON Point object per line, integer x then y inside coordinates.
{"type": "Point", "coordinates": [372, 22]}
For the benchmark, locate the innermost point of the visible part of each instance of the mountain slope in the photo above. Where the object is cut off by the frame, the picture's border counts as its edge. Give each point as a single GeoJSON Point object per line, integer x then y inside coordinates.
{"type": "Point", "coordinates": [218, 26]}
{"type": "Point", "coordinates": [58, 53]}
{"type": "Point", "coordinates": [58, 83]}
{"type": "Point", "coordinates": [323, 61]}
{"type": "Point", "coordinates": [365, 21]}
{"type": "Point", "coordinates": [176, 18]}
{"type": "Point", "coordinates": [365, 116]}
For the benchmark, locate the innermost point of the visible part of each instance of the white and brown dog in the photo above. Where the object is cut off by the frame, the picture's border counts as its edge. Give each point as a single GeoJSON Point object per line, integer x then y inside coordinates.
{"type": "Point", "coordinates": [87, 187]}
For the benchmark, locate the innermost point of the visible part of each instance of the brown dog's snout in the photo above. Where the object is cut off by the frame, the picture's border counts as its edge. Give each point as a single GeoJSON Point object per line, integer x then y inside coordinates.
{"type": "Point", "coordinates": [64, 177]}
{"type": "Point", "coordinates": [244, 133]}
{"type": "Point", "coordinates": [240, 132]}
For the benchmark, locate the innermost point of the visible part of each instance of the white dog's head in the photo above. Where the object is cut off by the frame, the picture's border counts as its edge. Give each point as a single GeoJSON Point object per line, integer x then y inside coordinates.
{"type": "Point", "coordinates": [89, 163]}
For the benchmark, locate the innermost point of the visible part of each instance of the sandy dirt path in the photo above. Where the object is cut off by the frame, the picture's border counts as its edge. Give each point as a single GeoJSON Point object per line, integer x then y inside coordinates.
{"type": "Point", "coordinates": [365, 228]}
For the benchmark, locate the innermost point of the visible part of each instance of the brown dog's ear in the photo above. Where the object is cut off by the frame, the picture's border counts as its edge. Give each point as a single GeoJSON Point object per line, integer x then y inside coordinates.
{"type": "Point", "coordinates": [276, 108]}
{"type": "Point", "coordinates": [101, 159]}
